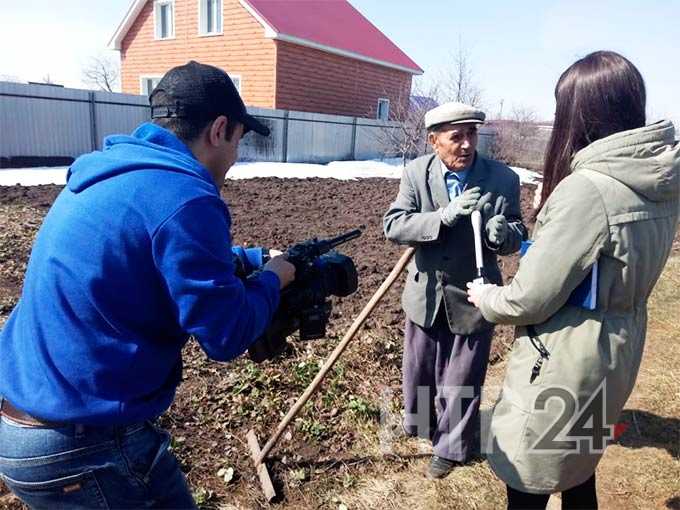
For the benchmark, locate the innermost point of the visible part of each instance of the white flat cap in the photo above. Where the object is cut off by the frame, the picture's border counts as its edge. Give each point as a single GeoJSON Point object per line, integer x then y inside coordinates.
{"type": "Point", "coordinates": [453, 113]}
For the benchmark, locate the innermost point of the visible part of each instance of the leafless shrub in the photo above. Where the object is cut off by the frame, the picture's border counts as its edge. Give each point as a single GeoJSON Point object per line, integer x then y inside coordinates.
{"type": "Point", "coordinates": [408, 138]}
{"type": "Point", "coordinates": [455, 82]}
{"type": "Point", "coordinates": [520, 140]}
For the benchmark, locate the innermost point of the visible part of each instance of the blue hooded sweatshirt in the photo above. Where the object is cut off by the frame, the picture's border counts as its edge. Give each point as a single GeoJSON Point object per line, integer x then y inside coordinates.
{"type": "Point", "coordinates": [133, 258]}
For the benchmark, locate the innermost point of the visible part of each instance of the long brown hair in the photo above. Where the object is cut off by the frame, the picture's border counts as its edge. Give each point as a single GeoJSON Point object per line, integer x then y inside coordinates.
{"type": "Point", "coordinates": [597, 96]}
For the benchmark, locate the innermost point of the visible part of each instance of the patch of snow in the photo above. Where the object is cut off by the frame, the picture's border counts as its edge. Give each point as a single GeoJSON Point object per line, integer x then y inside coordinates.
{"type": "Point", "coordinates": [33, 176]}
{"type": "Point", "coordinates": [342, 170]}
{"type": "Point", "coordinates": [527, 176]}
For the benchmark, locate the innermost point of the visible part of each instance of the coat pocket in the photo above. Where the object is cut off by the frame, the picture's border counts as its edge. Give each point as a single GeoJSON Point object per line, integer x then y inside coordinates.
{"type": "Point", "coordinates": [76, 491]}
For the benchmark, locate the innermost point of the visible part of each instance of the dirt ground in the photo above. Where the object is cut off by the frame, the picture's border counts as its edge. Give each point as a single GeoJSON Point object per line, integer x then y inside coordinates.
{"type": "Point", "coordinates": [332, 455]}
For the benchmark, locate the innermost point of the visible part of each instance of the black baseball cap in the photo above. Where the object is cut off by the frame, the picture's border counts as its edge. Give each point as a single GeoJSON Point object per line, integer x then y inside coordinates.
{"type": "Point", "coordinates": [196, 90]}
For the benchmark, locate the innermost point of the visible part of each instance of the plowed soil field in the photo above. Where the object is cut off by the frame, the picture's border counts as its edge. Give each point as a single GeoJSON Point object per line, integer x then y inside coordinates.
{"type": "Point", "coordinates": [329, 446]}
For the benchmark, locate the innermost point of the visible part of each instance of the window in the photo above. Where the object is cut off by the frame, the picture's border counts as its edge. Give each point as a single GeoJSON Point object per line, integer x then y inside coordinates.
{"type": "Point", "coordinates": [383, 109]}
{"type": "Point", "coordinates": [236, 79]}
{"type": "Point", "coordinates": [164, 19]}
{"type": "Point", "coordinates": [210, 17]}
{"type": "Point", "coordinates": [147, 84]}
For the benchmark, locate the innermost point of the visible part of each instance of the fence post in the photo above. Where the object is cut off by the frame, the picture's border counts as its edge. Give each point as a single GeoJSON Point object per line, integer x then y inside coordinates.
{"type": "Point", "coordinates": [93, 121]}
{"type": "Point", "coordinates": [284, 136]}
{"type": "Point", "coordinates": [354, 139]}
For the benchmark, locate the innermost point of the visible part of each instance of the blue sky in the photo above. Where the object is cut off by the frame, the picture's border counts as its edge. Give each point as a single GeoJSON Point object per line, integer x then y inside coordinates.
{"type": "Point", "coordinates": [517, 49]}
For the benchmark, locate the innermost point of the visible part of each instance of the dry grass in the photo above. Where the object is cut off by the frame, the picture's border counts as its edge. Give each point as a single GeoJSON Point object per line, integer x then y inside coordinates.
{"type": "Point", "coordinates": [470, 487]}
{"type": "Point", "coordinates": [641, 471]}
{"type": "Point", "coordinates": [333, 456]}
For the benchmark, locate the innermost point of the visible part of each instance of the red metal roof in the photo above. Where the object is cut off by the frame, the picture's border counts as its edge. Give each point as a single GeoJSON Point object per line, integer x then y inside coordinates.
{"type": "Point", "coordinates": [334, 24]}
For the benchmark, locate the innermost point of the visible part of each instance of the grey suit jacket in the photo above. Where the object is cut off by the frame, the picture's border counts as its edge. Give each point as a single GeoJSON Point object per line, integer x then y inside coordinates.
{"type": "Point", "coordinates": [445, 256]}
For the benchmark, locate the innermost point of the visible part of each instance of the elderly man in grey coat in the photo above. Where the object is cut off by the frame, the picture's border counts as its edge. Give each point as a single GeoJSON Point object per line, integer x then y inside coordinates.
{"type": "Point", "coordinates": [447, 341]}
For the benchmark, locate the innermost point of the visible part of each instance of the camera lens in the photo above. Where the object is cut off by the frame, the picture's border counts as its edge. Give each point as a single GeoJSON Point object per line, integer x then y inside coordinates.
{"type": "Point", "coordinates": [339, 274]}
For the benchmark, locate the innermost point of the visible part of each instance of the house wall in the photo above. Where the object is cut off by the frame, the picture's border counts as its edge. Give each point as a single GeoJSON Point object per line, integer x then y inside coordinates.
{"type": "Point", "coordinates": [242, 49]}
{"type": "Point", "coordinates": [311, 80]}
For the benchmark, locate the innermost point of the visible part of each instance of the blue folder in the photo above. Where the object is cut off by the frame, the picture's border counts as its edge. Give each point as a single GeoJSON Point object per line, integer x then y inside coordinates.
{"type": "Point", "coordinates": [585, 295]}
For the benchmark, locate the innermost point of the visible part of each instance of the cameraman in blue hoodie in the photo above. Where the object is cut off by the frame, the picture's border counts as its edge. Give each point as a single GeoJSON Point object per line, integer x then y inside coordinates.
{"type": "Point", "coordinates": [133, 258]}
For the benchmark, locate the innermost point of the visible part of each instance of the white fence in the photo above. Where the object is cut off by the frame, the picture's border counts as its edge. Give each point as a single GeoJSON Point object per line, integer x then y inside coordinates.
{"type": "Point", "coordinates": [38, 121]}
{"type": "Point", "coordinates": [42, 124]}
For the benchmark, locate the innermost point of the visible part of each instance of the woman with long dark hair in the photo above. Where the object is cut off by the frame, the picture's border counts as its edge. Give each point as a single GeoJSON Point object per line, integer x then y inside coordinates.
{"type": "Point", "coordinates": [606, 222]}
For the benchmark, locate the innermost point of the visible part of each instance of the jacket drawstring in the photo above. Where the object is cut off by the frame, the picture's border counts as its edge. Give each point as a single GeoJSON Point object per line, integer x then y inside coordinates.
{"type": "Point", "coordinates": [544, 354]}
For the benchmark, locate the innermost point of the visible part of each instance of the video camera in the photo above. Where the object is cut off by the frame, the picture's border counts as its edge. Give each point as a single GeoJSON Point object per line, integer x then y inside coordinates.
{"type": "Point", "coordinates": [320, 272]}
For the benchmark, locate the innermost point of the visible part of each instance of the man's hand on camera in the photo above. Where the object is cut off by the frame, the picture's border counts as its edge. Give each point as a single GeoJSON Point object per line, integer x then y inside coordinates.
{"type": "Point", "coordinates": [283, 269]}
{"type": "Point", "coordinates": [462, 205]}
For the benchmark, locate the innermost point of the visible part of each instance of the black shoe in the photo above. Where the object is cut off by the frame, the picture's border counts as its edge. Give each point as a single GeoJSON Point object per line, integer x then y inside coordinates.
{"type": "Point", "coordinates": [440, 467]}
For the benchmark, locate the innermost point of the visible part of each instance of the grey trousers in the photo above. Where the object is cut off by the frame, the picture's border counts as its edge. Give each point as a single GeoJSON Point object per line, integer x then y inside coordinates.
{"type": "Point", "coordinates": [442, 378]}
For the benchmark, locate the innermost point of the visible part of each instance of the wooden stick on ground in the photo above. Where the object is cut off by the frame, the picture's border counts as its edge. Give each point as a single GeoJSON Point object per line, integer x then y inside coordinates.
{"type": "Point", "coordinates": [259, 456]}
{"type": "Point", "coordinates": [262, 471]}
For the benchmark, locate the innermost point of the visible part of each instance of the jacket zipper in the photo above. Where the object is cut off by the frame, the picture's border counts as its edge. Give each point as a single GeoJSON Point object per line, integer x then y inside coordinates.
{"type": "Point", "coordinates": [543, 353]}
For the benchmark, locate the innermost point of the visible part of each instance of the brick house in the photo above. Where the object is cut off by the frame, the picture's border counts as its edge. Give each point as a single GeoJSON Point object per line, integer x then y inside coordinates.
{"type": "Point", "coordinates": [318, 56]}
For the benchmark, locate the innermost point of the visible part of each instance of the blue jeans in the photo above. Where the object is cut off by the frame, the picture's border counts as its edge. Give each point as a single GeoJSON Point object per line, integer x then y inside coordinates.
{"type": "Point", "coordinates": [92, 467]}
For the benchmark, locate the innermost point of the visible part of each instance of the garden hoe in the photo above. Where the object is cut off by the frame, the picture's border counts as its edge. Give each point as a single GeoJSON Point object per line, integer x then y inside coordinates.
{"type": "Point", "coordinates": [258, 454]}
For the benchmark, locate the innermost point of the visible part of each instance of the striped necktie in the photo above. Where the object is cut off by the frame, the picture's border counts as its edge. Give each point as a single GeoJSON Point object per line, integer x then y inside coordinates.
{"type": "Point", "coordinates": [453, 184]}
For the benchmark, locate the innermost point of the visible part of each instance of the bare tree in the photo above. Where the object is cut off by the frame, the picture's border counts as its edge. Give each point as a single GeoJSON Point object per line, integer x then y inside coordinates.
{"type": "Point", "coordinates": [457, 80]}
{"type": "Point", "coordinates": [407, 138]}
{"type": "Point", "coordinates": [518, 139]}
{"type": "Point", "coordinates": [102, 72]}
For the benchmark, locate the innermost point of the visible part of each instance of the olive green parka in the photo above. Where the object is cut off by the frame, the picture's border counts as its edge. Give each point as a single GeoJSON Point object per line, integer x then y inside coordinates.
{"type": "Point", "coordinates": [566, 383]}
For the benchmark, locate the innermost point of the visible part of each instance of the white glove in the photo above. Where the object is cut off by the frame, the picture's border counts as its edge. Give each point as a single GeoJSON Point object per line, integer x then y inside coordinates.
{"type": "Point", "coordinates": [496, 224]}
{"type": "Point", "coordinates": [462, 205]}
{"type": "Point", "coordinates": [497, 230]}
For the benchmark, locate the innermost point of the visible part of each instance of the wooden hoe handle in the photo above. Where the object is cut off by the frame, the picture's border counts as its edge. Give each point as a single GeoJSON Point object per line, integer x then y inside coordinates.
{"type": "Point", "coordinates": [358, 322]}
